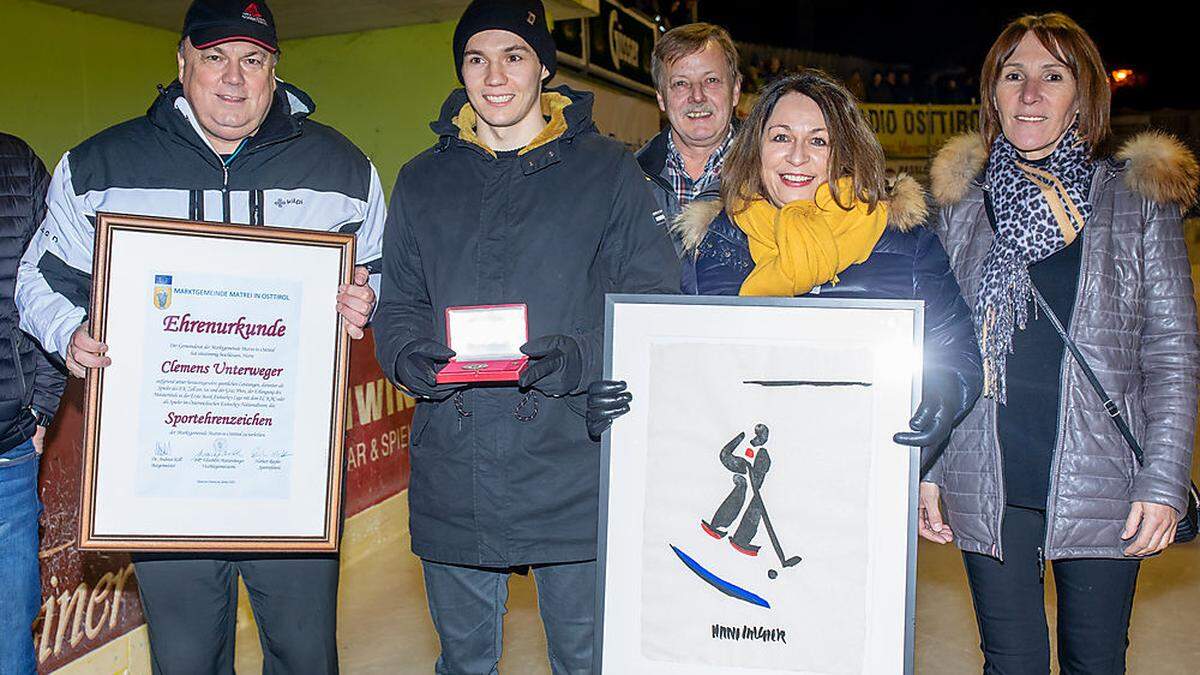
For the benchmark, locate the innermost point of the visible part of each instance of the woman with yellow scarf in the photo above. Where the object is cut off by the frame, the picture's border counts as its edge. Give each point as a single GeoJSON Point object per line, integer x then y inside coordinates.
{"type": "Point", "coordinates": [805, 209]}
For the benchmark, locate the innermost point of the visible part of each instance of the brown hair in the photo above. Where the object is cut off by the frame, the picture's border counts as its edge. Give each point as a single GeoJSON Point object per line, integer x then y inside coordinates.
{"type": "Point", "coordinates": [685, 41]}
{"type": "Point", "coordinates": [854, 150]}
{"type": "Point", "coordinates": [1071, 46]}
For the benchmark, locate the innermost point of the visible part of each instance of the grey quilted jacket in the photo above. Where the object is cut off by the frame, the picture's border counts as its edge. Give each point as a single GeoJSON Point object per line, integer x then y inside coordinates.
{"type": "Point", "coordinates": [1134, 320]}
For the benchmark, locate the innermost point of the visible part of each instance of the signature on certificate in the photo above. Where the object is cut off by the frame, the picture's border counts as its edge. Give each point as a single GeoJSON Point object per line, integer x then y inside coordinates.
{"type": "Point", "coordinates": [220, 449]}
{"type": "Point", "coordinates": [277, 453]}
{"type": "Point", "coordinates": [162, 449]}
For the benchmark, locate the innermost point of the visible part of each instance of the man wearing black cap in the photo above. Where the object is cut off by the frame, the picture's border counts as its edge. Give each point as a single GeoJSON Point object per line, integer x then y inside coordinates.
{"type": "Point", "coordinates": [227, 142]}
{"type": "Point", "coordinates": [521, 200]}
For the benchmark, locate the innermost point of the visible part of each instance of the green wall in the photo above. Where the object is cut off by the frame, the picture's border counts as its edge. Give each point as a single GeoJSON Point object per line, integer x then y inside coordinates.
{"type": "Point", "coordinates": [67, 75]}
{"type": "Point", "coordinates": [381, 88]}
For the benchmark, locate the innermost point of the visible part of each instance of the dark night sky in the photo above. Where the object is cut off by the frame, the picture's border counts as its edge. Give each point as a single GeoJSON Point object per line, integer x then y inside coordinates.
{"type": "Point", "coordinates": [1159, 39]}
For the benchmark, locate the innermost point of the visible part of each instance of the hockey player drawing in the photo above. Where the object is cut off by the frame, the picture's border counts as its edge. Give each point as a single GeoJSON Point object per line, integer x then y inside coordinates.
{"type": "Point", "coordinates": [752, 468]}
{"type": "Point", "coordinates": [751, 463]}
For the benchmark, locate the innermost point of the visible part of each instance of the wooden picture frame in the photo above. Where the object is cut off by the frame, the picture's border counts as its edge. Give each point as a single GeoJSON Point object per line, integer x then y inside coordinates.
{"type": "Point", "coordinates": [219, 425]}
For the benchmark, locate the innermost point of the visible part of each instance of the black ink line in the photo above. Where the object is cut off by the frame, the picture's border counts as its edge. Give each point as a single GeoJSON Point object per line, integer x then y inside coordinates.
{"type": "Point", "coordinates": [806, 383]}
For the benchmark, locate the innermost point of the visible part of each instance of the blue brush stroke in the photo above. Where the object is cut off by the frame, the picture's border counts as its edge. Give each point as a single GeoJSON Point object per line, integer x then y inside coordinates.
{"type": "Point", "coordinates": [719, 583]}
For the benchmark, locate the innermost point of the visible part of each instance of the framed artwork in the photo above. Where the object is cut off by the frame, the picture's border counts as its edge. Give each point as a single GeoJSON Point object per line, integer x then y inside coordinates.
{"type": "Point", "coordinates": [756, 516]}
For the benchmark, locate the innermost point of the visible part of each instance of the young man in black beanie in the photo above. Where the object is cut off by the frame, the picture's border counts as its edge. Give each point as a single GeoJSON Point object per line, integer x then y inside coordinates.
{"type": "Point", "coordinates": [519, 201]}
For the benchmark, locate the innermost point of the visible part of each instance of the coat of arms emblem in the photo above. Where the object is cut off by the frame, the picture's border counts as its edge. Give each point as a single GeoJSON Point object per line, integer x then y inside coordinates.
{"type": "Point", "coordinates": [161, 298]}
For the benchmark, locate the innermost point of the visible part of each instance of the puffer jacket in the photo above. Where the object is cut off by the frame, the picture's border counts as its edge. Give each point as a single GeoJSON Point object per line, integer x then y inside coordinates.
{"type": "Point", "coordinates": [27, 378]}
{"type": "Point", "coordinates": [907, 263]}
{"type": "Point", "coordinates": [502, 477]}
{"type": "Point", "coordinates": [1134, 320]}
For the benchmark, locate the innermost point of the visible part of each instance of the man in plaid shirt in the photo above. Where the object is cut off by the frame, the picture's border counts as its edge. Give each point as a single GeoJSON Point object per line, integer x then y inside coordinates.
{"type": "Point", "coordinates": [695, 69]}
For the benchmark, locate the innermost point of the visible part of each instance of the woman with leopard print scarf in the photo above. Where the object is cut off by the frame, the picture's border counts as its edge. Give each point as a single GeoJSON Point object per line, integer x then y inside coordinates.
{"type": "Point", "coordinates": [1037, 471]}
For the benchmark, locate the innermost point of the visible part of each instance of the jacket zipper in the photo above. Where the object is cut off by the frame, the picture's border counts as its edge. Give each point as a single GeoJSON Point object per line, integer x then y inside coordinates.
{"type": "Point", "coordinates": [999, 479]}
{"type": "Point", "coordinates": [1064, 375]}
{"type": "Point", "coordinates": [227, 216]}
{"type": "Point", "coordinates": [225, 191]}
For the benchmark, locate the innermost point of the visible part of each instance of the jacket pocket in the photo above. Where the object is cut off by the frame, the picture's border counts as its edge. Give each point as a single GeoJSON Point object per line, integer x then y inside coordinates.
{"type": "Point", "coordinates": [16, 361]}
{"type": "Point", "coordinates": [420, 421]}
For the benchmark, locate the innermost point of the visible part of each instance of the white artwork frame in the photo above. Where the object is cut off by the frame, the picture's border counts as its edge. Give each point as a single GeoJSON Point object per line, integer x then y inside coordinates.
{"type": "Point", "coordinates": [848, 599]}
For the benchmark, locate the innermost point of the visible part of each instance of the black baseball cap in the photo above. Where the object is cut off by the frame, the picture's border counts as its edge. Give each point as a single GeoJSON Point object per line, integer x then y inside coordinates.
{"type": "Point", "coordinates": [211, 22]}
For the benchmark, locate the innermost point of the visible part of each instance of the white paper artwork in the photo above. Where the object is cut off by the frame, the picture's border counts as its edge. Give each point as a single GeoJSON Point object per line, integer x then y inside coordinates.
{"type": "Point", "coordinates": [710, 565]}
{"type": "Point", "coordinates": [757, 510]}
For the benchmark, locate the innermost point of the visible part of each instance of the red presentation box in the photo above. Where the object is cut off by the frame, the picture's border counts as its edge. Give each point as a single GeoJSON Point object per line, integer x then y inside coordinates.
{"type": "Point", "coordinates": [487, 343]}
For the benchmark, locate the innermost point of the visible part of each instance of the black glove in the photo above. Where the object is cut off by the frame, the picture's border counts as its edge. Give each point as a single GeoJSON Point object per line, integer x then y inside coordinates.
{"type": "Point", "coordinates": [556, 365]}
{"type": "Point", "coordinates": [606, 401]}
{"type": "Point", "coordinates": [418, 365]}
{"type": "Point", "coordinates": [941, 407]}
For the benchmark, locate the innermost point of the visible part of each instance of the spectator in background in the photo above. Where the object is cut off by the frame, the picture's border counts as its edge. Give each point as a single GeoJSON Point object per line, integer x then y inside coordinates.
{"type": "Point", "coordinates": [879, 91]}
{"type": "Point", "coordinates": [774, 70]}
{"type": "Point", "coordinates": [751, 78]}
{"type": "Point", "coordinates": [970, 89]}
{"type": "Point", "coordinates": [905, 92]}
{"type": "Point", "coordinates": [928, 91]}
{"type": "Point", "coordinates": [950, 90]}
{"type": "Point", "coordinates": [682, 12]}
{"type": "Point", "coordinates": [857, 86]}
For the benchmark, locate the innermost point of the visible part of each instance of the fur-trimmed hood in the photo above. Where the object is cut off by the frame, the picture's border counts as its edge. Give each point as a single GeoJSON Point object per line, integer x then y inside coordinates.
{"type": "Point", "coordinates": [1155, 165]}
{"type": "Point", "coordinates": [905, 203]}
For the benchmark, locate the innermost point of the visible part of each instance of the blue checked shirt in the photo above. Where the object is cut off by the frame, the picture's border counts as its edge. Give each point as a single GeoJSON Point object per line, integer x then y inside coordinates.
{"type": "Point", "coordinates": [685, 188]}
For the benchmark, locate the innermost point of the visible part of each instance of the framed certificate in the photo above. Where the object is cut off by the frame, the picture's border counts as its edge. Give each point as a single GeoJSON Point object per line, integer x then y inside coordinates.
{"type": "Point", "coordinates": [756, 516]}
{"type": "Point", "coordinates": [219, 424]}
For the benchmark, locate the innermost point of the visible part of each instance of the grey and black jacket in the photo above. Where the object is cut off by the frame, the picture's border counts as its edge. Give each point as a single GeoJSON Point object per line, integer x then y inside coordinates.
{"type": "Point", "coordinates": [28, 380]}
{"type": "Point", "coordinates": [501, 476]}
{"type": "Point", "coordinates": [1134, 320]}
{"type": "Point", "coordinates": [294, 172]}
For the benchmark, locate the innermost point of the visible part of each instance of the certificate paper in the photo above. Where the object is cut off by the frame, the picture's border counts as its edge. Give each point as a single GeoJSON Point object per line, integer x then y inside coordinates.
{"type": "Point", "coordinates": [219, 424]}
{"type": "Point", "coordinates": [218, 421]}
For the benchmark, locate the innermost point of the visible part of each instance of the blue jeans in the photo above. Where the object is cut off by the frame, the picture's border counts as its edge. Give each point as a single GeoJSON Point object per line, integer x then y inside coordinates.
{"type": "Point", "coordinates": [20, 580]}
{"type": "Point", "coordinates": [468, 606]}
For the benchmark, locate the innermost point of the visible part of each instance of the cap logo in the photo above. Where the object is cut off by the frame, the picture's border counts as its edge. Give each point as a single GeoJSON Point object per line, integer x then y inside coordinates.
{"type": "Point", "coordinates": [531, 18]}
{"type": "Point", "coordinates": [251, 13]}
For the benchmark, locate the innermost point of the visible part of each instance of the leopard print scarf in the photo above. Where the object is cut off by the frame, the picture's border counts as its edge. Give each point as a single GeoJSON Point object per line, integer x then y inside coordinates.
{"type": "Point", "coordinates": [1038, 211]}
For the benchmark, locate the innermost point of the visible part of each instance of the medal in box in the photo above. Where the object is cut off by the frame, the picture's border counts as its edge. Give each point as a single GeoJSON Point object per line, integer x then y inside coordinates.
{"type": "Point", "coordinates": [486, 340]}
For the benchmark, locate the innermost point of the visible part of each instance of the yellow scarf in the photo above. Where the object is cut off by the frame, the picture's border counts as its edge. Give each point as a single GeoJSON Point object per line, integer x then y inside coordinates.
{"type": "Point", "coordinates": [807, 242]}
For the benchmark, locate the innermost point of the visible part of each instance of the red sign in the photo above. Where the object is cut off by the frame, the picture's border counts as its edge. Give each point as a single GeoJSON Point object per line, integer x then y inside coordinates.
{"type": "Point", "coordinates": [91, 598]}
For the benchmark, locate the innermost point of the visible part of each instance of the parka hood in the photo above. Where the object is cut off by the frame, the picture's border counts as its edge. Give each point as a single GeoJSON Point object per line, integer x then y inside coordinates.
{"type": "Point", "coordinates": [1155, 165]}
{"type": "Point", "coordinates": [576, 112]}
